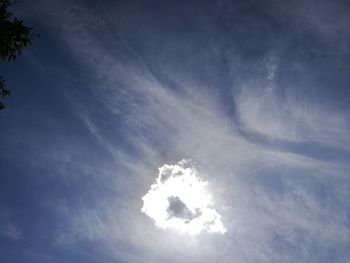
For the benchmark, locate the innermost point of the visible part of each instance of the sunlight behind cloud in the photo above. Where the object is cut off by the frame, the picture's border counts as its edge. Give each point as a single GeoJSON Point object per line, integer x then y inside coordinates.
{"type": "Point", "coordinates": [179, 200]}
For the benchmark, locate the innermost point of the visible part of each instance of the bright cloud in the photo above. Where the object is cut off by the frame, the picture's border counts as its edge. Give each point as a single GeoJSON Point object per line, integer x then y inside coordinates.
{"type": "Point", "coordinates": [179, 200]}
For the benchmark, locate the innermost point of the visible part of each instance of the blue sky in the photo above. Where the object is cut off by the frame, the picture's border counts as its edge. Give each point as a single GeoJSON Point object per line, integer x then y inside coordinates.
{"type": "Point", "coordinates": [255, 93]}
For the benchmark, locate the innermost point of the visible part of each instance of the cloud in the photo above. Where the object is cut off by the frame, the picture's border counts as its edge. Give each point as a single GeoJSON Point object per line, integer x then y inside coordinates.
{"type": "Point", "coordinates": [7, 227]}
{"type": "Point", "coordinates": [10, 230]}
{"type": "Point", "coordinates": [291, 115]}
{"type": "Point", "coordinates": [275, 203]}
{"type": "Point", "coordinates": [179, 200]}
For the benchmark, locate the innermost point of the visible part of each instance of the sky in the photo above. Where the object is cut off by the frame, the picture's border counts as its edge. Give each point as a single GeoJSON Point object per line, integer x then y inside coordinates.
{"type": "Point", "coordinates": [119, 106]}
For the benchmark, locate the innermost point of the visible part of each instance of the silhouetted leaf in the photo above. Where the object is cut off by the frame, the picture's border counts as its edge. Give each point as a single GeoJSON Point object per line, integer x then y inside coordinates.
{"type": "Point", "coordinates": [14, 36]}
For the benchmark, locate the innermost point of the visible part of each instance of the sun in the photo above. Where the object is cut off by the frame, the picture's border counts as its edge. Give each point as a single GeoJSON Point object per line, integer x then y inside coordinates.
{"type": "Point", "coordinates": [179, 200]}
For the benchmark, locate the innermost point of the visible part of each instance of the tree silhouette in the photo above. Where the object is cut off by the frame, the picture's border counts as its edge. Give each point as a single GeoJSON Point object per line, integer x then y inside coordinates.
{"type": "Point", "coordinates": [14, 36]}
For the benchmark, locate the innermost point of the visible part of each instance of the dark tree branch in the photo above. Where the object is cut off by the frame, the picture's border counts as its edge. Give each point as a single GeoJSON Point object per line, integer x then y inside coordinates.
{"type": "Point", "coordinates": [14, 36]}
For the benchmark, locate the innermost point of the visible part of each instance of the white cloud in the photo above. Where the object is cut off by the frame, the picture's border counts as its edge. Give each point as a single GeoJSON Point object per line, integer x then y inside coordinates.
{"type": "Point", "coordinates": [7, 227]}
{"type": "Point", "coordinates": [179, 200]}
{"type": "Point", "coordinates": [267, 193]}
{"type": "Point", "coordinates": [10, 230]}
{"type": "Point", "coordinates": [290, 117]}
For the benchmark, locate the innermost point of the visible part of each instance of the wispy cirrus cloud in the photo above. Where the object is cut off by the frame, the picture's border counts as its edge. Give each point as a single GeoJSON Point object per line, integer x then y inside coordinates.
{"type": "Point", "coordinates": [277, 203]}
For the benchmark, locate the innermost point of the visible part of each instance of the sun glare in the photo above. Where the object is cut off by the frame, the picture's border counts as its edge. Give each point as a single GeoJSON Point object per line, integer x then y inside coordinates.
{"type": "Point", "coordinates": [179, 200]}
